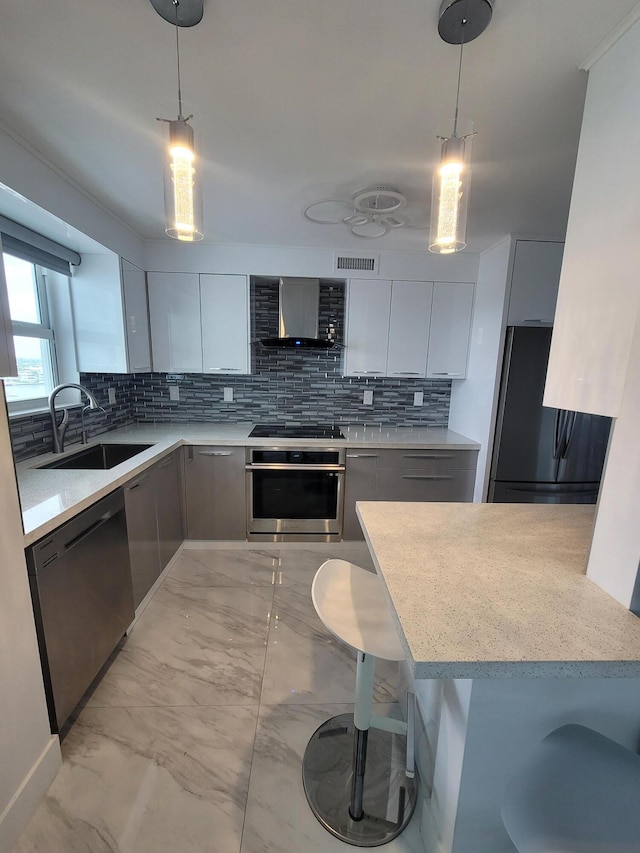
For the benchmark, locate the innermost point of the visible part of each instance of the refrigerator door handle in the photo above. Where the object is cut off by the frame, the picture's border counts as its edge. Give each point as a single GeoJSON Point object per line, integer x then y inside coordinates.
{"type": "Point", "coordinates": [556, 435]}
{"type": "Point", "coordinates": [571, 422]}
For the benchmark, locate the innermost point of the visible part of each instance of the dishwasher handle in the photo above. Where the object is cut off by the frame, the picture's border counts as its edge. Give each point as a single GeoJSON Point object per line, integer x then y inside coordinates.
{"type": "Point", "coordinates": [88, 531]}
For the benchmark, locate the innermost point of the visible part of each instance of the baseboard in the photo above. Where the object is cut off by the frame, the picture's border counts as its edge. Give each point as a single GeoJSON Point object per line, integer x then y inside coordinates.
{"type": "Point", "coordinates": [30, 793]}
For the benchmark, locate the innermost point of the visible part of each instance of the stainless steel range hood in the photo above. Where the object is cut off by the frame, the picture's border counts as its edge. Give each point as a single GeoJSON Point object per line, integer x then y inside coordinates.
{"type": "Point", "coordinates": [298, 321]}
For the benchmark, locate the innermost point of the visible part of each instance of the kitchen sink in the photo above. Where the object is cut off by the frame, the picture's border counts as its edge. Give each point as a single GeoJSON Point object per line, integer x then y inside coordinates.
{"type": "Point", "coordinates": [98, 457]}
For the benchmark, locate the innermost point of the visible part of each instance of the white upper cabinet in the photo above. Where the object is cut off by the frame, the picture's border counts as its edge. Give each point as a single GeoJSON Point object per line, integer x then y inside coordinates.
{"type": "Point", "coordinates": [534, 282]}
{"type": "Point", "coordinates": [136, 307]}
{"type": "Point", "coordinates": [451, 313]}
{"type": "Point", "coordinates": [224, 301]}
{"type": "Point", "coordinates": [409, 328]}
{"type": "Point", "coordinates": [174, 310]}
{"type": "Point", "coordinates": [110, 317]}
{"type": "Point", "coordinates": [367, 327]}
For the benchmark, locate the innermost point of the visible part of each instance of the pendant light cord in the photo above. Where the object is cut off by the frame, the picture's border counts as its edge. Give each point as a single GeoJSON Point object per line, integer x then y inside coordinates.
{"type": "Point", "coordinates": [455, 118]}
{"type": "Point", "coordinates": [176, 3]}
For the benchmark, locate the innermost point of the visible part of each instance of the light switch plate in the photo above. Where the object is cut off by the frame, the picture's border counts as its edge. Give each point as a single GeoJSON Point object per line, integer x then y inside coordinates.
{"type": "Point", "coordinates": [418, 398]}
{"type": "Point", "coordinates": [228, 395]}
{"type": "Point", "coordinates": [367, 397]}
{"type": "Point", "coordinates": [174, 392]}
{"type": "Point", "coordinates": [112, 396]}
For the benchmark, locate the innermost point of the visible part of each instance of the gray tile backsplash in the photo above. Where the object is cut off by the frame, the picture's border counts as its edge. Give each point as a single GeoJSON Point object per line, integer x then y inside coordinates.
{"type": "Point", "coordinates": [286, 386]}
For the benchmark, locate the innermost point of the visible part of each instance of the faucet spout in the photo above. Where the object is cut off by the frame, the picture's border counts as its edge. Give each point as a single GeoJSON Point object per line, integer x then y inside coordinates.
{"type": "Point", "coordinates": [59, 429]}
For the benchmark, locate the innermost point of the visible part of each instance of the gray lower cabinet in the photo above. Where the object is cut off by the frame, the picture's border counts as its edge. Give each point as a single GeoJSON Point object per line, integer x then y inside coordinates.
{"type": "Point", "coordinates": [405, 475]}
{"type": "Point", "coordinates": [153, 504]}
{"type": "Point", "coordinates": [359, 485]}
{"type": "Point", "coordinates": [215, 492]}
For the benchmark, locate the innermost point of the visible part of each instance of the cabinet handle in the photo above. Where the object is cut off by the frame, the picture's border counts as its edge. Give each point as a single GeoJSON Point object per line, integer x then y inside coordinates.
{"type": "Point", "coordinates": [425, 477]}
{"type": "Point", "coordinates": [406, 373]}
{"type": "Point", "coordinates": [166, 464]}
{"type": "Point", "coordinates": [215, 452]}
{"type": "Point", "coordinates": [435, 373]}
{"type": "Point", "coordinates": [227, 369]}
{"type": "Point", "coordinates": [369, 372]}
{"type": "Point", "coordinates": [539, 320]}
{"type": "Point", "coordinates": [426, 456]}
{"type": "Point", "coordinates": [362, 455]}
{"type": "Point", "coordinates": [138, 483]}
{"type": "Point", "coordinates": [141, 367]}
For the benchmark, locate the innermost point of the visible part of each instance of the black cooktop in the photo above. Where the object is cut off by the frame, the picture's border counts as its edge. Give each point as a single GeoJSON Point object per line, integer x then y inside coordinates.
{"type": "Point", "coordinates": [295, 431]}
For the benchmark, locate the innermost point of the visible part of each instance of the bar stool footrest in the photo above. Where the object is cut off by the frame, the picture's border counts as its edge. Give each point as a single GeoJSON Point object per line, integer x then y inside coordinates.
{"type": "Point", "coordinates": [327, 771]}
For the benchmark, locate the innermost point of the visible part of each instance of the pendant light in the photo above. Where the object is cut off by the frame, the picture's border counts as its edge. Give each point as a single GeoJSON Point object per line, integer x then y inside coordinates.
{"type": "Point", "coordinates": [460, 21]}
{"type": "Point", "coordinates": [182, 191]}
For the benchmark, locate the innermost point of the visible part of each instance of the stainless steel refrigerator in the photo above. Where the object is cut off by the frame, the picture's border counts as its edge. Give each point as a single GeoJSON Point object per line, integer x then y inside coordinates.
{"type": "Point", "coordinates": [541, 455]}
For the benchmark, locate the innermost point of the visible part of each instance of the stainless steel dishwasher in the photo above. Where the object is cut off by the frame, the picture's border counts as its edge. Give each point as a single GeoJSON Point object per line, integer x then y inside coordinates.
{"type": "Point", "coordinates": [82, 597]}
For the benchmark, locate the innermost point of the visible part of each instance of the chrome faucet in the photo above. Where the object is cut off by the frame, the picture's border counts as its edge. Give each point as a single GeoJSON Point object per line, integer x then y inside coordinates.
{"type": "Point", "coordinates": [59, 429]}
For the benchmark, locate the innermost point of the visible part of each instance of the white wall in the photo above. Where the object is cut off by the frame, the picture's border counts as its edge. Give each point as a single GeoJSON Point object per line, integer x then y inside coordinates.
{"type": "Point", "coordinates": [26, 172]}
{"type": "Point", "coordinates": [29, 754]}
{"type": "Point", "coordinates": [282, 261]}
{"type": "Point", "coordinates": [595, 350]}
{"type": "Point", "coordinates": [473, 402]}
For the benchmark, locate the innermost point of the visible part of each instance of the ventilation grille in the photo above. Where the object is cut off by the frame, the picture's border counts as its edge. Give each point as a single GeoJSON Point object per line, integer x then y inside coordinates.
{"type": "Point", "coordinates": [355, 263]}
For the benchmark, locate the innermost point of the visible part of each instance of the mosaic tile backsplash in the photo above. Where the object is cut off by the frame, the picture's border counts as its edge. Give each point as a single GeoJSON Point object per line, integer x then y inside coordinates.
{"type": "Point", "coordinates": [286, 386]}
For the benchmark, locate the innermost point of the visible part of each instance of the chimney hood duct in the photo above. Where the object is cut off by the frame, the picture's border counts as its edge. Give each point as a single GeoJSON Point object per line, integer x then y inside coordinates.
{"type": "Point", "coordinates": [298, 320]}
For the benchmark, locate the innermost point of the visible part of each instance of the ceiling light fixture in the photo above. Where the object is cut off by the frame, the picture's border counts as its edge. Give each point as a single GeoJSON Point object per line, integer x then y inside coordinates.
{"type": "Point", "coordinates": [182, 192]}
{"type": "Point", "coordinates": [460, 21]}
{"type": "Point", "coordinates": [370, 213]}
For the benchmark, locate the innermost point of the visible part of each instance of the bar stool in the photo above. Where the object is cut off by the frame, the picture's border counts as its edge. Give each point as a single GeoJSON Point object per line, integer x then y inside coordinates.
{"type": "Point", "coordinates": [357, 772]}
{"type": "Point", "coordinates": [577, 791]}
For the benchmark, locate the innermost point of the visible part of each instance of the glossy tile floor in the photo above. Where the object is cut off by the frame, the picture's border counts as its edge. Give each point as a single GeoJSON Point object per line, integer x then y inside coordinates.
{"type": "Point", "coordinates": [193, 739]}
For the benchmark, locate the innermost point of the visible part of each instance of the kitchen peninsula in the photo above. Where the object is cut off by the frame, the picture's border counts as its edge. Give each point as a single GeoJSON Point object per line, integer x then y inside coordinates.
{"type": "Point", "coordinates": [507, 639]}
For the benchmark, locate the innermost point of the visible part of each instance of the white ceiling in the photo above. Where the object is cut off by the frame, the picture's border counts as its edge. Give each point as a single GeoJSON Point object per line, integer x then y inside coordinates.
{"type": "Point", "coordinates": [297, 100]}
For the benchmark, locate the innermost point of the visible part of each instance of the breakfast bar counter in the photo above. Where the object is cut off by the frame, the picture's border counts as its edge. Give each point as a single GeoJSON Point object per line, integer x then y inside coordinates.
{"type": "Point", "coordinates": [498, 590]}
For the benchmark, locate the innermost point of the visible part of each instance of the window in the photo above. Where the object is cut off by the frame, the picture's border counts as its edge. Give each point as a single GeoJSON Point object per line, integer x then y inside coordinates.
{"type": "Point", "coordinates": [32, 333]}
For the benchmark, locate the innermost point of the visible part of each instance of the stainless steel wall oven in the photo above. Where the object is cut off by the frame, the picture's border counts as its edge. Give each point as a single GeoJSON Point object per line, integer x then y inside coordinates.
{"type": "Point", "coordinates": [297, 491]}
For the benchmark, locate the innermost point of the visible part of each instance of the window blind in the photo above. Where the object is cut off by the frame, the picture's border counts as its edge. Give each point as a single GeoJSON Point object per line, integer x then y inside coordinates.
{"type": "Point", "coordinates": [22, 242]}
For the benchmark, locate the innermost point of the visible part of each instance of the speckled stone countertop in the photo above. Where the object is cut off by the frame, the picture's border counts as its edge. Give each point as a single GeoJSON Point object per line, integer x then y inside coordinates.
{"type": "Point", "coordinates": [498, 590]}
{"type": "Point", "coordinates": [51, 497]}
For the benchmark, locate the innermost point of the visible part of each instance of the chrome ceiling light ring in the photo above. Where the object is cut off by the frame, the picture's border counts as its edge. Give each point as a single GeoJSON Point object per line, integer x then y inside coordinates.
{"type": "Point", "coordinates": [182, 13]}
{"type": "Point", "coordinates": [371, 212]}
{"type": "Point", "coordinates": [379, 200]}
{"type": "Point", "coordinates": [463, 20]}
{"type": "Point", "coordinates": [370, 230]}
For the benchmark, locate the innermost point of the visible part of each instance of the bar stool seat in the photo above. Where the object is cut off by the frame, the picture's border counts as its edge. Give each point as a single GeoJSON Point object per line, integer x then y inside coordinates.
{"type": "Point", "coordinates": [576, 792]}
{"type": "Point", "coordinates": [357, 768]}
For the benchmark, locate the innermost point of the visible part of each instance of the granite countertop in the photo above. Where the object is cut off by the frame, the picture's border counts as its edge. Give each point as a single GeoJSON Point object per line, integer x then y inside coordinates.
{"type": "Point", "coordinates": [51, 497]}
{"type": "Point", "coordinates": [498, 590]}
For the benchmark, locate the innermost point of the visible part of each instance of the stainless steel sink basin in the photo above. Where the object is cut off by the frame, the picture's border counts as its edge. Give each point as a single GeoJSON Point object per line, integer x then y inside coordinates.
{"type": "Point", "coordinates": [98, 457]}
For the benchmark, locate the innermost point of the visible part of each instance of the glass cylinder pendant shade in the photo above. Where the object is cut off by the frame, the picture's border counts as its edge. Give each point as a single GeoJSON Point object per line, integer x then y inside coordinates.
{"type": "Point", "coordinates": [450, 196]}
{"type": "Point", "coordinates": [182, 191]}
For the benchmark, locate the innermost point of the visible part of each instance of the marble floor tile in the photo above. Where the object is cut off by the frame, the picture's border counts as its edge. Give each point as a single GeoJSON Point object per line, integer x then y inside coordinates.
{"type": "Point", "coordinates": [152, 780]}
{"type": "Point", "coordinates": [298, 566]}
{"type": "Point", "coordinates": [278, 817]}
{"type": "Point", "coordinates": [192, 646]}
{"type": "Point", "coordinates": [305, 663]}
{"type": "Point", "coordinates": [221, 567]}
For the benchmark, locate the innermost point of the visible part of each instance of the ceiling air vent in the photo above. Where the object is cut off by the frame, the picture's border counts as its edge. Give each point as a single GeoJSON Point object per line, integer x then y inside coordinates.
{"type": "Point", "coordinates": [355, 263]}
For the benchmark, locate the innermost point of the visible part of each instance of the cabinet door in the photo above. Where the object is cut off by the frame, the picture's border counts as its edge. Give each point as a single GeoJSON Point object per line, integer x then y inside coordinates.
{"type": "Point", "coordinates": [367, 333]}
{"type": "Point", "coordinates": [359, 485]}
{"type": "Point", "coordinates": [136, 307]}
{"type": "Point", "coordinates": [142, 532]}
{"type": "Point", "coordinates": [409, 328]}
{"type": "Point", "coordinates": [168, 495]}
{"type": "Point", "coordinates": [98, 315]}
{"type": "Point", "coordinates": [174, 309]}
{"type": "Point", "coordinates": [409, 484]}
{"type": "Point", "coordinates": [224, 302]}
{"type": "Point", "coordinates": [215, 492]}
{"type": "Point", "coordinates": [534, 282]}
{"type": "Point", "coordinates": [450, 329]}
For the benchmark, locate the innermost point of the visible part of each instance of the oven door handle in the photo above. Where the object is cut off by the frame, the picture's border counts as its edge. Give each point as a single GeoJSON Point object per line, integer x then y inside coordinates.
{"type": "Point", "coordinates": [269, 466]}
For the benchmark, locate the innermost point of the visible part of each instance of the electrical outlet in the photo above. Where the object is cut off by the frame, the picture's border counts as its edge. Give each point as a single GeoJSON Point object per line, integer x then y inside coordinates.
{"type": "Point", "coordinates": [174, 392]}
{"type": "Point", "coordinates": [418, 398]}
{"type": "Point", "coordinates": [112, 396]}
{"type": "Point", "coordinates": [228, 395]}
{"type": "Point", "coordinates": [367, 397]}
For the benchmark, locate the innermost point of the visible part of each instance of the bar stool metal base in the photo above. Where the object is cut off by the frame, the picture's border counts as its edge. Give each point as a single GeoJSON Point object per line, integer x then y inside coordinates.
{"type": "Point", "coordinates": [327, 773]}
